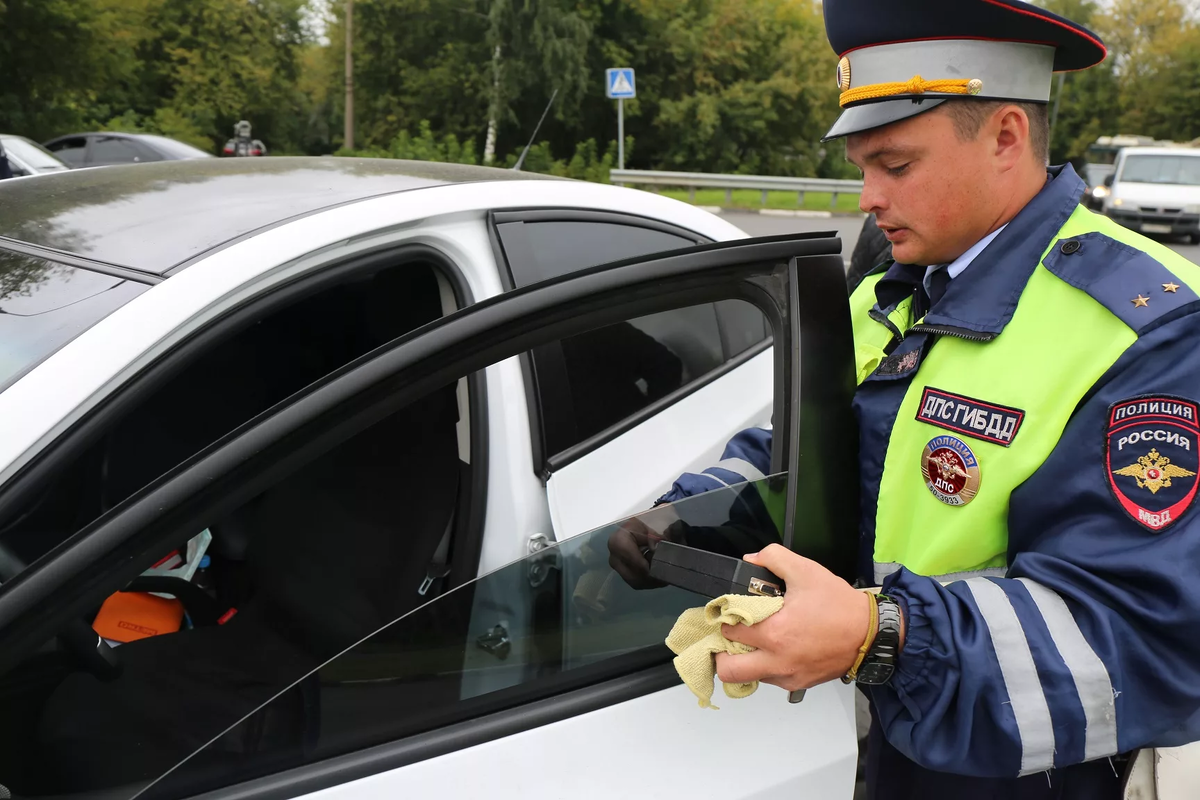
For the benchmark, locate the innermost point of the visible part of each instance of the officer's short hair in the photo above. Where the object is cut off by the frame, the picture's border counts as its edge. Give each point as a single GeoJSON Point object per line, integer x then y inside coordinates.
{"type": "Point", "coordinates": [969, 116]}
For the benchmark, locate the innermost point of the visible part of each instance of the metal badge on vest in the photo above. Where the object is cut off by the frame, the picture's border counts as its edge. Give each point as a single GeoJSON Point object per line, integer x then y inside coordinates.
{"type": "Point", "coordinates": [1152, 459]}
{"type": "Point", "coordinates": [951, 470]}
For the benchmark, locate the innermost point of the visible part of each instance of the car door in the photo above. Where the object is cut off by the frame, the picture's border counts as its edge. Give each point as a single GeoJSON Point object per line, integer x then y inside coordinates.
{"type": "Point", "coordinates": [487, 669]}
{"type": "Point", "coordinates": [633, 405]}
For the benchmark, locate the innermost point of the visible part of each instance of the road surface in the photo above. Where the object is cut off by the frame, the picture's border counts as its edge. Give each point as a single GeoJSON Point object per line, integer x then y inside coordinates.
{"type": "Point", "coordinates": [848, 227]}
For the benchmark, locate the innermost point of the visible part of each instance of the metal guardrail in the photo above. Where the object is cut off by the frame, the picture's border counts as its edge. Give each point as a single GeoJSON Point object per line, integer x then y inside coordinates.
{"type": "Point", "coordinates": [764, 183]}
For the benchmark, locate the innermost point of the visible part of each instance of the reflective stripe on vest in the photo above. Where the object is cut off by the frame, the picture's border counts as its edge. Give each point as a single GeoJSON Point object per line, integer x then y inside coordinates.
{"type": "Point", "coordinates": [1058, 344]}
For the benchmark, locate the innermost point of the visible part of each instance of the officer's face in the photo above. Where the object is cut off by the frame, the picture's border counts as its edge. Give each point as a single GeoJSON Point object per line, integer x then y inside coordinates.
{"type": "Point", "coordinates": [932, 193]}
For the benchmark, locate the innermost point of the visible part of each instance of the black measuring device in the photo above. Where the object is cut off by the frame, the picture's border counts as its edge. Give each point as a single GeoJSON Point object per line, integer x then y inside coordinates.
{"type": "Point", "coordinates": [712, 574]}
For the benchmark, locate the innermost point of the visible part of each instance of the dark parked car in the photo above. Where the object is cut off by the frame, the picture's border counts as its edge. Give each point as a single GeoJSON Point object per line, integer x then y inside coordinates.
{"type": "Point", "coordinates": [104, 149]}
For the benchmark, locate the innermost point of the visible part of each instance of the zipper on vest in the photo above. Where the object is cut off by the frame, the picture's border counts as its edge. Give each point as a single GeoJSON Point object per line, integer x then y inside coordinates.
{"type": "Point", "coordinates": [950, 330]}
{"type": "Point", "coordinates": [883, 319]}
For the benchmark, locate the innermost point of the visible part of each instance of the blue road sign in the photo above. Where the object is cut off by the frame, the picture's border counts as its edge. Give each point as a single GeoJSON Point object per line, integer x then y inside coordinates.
{"type": "Point", "coordinates": [619, 83]}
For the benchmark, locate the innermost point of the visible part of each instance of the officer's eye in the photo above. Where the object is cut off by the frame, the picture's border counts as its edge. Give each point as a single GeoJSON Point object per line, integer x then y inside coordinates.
{"type": "Point", "coordinates": [896, 172]}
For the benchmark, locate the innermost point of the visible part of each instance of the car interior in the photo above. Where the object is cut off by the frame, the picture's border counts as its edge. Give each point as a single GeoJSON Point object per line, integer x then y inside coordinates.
{"type": "Point", "coordinates": [293, 577]}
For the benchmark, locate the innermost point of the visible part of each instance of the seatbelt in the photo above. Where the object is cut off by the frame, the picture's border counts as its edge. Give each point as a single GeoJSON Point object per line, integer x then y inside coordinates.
{"type": "Point", "coordinates": [439, 565]}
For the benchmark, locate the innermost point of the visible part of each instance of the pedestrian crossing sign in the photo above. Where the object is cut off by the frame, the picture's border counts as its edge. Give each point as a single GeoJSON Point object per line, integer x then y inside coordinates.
{"type": "Point", "coordinates": [619, 83]}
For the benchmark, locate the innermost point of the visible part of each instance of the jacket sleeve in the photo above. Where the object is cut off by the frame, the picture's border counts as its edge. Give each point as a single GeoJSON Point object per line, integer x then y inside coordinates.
{"type": "Point", "coordinates": [747, 457]}
{"type": "Point", "coordinates": [1090, 645]}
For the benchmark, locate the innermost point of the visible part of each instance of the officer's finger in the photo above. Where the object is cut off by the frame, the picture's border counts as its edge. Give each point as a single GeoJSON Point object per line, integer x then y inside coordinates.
{"type": "Point", "coordinates": [782, 562]}
{"type": "Point", "coordinates": [745, 667]}
{"type": "Point", "coordinates": [749, 635]}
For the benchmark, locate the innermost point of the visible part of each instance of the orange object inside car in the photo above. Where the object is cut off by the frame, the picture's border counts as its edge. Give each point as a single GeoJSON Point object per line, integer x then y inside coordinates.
{"type": "Point", "coordinates": [129, 616]}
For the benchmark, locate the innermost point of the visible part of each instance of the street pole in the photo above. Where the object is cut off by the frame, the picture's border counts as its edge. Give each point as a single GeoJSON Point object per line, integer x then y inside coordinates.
{"type": "Point", "coordinates": [349, 132]}
{"type": "Point", "coordinates": [620, 133]}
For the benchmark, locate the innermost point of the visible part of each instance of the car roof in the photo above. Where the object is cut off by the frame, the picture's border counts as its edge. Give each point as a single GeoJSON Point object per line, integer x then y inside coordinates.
{"type": "Point", "coordinates": [1160, 151]}
{"type": "Point", "coordinates": [153, 217]}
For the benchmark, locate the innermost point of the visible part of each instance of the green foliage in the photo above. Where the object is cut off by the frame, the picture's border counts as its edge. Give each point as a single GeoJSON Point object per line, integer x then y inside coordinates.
{"type": "Point", "coordinates": [723, 85]}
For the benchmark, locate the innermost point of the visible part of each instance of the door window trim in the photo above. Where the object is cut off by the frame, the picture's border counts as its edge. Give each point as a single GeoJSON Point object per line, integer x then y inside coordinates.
{"type": "Point", "coordinates": [545, 463]}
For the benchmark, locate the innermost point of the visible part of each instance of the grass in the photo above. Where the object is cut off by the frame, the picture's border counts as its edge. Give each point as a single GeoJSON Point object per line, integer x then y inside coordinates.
{"type": "Point", "coordinates": [752, 198]}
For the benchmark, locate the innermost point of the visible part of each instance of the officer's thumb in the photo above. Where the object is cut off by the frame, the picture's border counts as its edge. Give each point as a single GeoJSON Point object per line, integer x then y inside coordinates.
{"type": "Point", "coordinates": [781, 561]}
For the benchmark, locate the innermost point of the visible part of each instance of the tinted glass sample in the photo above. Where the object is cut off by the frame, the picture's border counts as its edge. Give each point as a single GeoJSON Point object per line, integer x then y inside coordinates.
{"type": "Point", "coordinates": [44, 305]}
{"type": "Point", "coordinates": [491, 644]}
{"type": "Point", "coordinates": [540, 250]}
{"type": "Point", "coordinates": [154, 216]}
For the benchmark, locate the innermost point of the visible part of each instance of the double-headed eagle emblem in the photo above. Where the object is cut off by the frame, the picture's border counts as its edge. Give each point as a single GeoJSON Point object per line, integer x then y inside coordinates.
{"type": "Point", "coordinates": [1153, 472]}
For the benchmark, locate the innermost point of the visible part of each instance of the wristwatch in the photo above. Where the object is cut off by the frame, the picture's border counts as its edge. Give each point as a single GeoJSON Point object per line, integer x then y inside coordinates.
{"type": "Point", "coordinates": [880, 662]}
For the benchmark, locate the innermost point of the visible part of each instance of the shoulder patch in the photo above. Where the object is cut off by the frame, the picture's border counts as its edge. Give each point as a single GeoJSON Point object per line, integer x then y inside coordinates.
{"type": "Point", "coordinates": [1130, 283]}
{"type": "Point", "coordinates": [1152, 455]}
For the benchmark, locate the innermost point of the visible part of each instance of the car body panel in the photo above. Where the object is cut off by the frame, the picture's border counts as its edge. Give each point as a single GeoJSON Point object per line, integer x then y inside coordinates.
{"type": "Point", "coordinates": [660, 745]}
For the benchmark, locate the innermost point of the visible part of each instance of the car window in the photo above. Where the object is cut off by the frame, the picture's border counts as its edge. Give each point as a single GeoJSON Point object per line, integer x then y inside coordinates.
{"type": "Point", "coordinates": [111, 150]}
{"type": "Point", "coordinates": [590, 383]}
{"type": "Point", "coordinates": [468, 653]}
{"type": "Point", "coordinates": [73, 150]}
{"type": "Point", "coordinates": [44, 305]}
{"type": "Point", "coordinates": [541, 250]}
{"type": "Point", "coordinates": [221, 387]}
{"type": "Point", "coordinates": [173, 148]}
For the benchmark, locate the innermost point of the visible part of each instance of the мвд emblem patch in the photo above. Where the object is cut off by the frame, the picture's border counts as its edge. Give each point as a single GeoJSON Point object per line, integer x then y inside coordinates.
{"type": "Point", "coordinates": [951, 470]}
{"type": "Point", "coordinates": [1152, 458]}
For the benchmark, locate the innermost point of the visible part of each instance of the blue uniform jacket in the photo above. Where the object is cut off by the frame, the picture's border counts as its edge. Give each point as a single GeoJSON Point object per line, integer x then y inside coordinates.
{"type": "Point", "coordinates": [1093, 647]}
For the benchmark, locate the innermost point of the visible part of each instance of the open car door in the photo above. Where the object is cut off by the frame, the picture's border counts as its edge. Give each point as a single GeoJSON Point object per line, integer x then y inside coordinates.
{"type": "Point", "coordinates": [545, 678]}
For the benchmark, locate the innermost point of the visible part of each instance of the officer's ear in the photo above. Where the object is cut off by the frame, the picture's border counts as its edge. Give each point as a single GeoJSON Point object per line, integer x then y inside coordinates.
{"type": "Point", "coordinates": [1009, 132]}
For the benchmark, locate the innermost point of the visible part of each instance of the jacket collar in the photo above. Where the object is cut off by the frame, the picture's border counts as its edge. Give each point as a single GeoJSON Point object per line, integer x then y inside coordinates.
{"type": "Point", "coordinates": [983, 299]}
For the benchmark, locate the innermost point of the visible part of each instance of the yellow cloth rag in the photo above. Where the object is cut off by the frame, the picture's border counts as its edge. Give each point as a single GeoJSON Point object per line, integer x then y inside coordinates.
{"type": "Point", "coordinates": [697, 636]}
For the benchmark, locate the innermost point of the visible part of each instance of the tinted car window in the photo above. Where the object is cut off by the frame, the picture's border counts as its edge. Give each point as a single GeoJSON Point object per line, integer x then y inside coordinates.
{"type": "Point", "coordinates": [555, 621]}
{"type": "Point", "coordinates": [73, 150]}
{"type": "Point", "coordinates": [541, 250]}
{"type": "Point", "coordinates": [44, 305]}
{"type": "Point", "coordinates": [111, 150]}
{"type": "Point", "coordinates": [591, 382]}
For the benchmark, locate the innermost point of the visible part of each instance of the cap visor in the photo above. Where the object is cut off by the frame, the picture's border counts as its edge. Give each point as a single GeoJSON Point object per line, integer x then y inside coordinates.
{"type": "Point", "coordinates": [875, 115]}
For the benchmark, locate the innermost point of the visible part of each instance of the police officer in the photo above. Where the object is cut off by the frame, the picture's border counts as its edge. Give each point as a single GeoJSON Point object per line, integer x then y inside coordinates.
{"type": "Point", "coordinates": [1029, 410]}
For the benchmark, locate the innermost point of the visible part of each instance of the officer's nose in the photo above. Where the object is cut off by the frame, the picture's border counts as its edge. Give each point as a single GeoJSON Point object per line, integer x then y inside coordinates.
{"type": "Point", "coordinates": [871, 201]}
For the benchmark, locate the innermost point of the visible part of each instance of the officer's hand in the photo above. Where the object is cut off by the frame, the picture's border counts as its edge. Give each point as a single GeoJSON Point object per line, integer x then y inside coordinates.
{"type": "Point", "coordinates": [814, 638]}
{"type": "Point", "coordinates": [630, 548]}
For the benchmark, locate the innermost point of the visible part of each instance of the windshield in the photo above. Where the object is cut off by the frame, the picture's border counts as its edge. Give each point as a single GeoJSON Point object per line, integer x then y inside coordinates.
{"type": "Point", "coordinates": [36, 156]}
{"type": "Point", "coordinates": [567, 616]}
{"type": "Point", "coordinates": [1180, 169]}
{"type": "Point", "coordinates": [174, 148]}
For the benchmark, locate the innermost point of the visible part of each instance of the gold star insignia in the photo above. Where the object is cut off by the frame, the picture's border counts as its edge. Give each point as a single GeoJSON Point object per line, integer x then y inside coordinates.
{"type": "Point", "coordinates": [1170, 287]}
{"type": "Point", "coordinates": [1140, 301]}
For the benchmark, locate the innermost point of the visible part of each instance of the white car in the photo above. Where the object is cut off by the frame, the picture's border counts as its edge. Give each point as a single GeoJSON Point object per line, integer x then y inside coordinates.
{"type": "Point", "coordinates": [327, 451]}
{"type": "Point", "coordinates": [26, 157]}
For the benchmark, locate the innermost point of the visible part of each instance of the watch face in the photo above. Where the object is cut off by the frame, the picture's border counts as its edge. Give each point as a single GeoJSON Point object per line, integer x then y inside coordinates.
{"type": "Point", "coordinates": [874, 674]}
